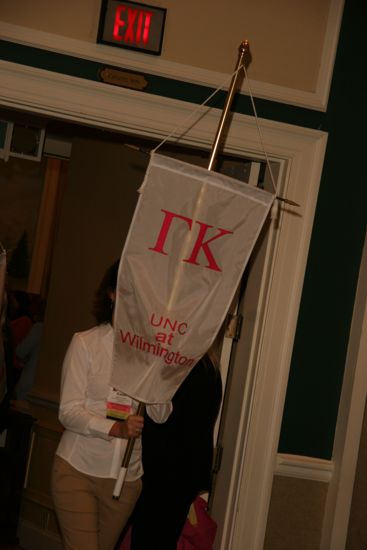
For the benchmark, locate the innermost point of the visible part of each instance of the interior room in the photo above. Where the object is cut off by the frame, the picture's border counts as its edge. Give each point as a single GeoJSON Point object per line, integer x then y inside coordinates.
{"type": "Point", "coordinates": [79, 119]}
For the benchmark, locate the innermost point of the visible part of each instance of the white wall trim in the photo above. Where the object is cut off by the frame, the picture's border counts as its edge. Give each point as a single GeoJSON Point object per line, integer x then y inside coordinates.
{"type": "Point", "coordinates": [51, 94]}
{"type": "Point", "coordinates": [304, 467]}
{"type": "Point", "coordinates": [254, 464]}
{"type": "Point", "coordinates": [155, 65]}
{"type": "Point", "coordinates": [349, 424]}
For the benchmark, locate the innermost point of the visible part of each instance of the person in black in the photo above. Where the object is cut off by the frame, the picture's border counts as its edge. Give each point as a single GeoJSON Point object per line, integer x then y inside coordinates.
{"type": "Point", "coordinates": [177, 460]}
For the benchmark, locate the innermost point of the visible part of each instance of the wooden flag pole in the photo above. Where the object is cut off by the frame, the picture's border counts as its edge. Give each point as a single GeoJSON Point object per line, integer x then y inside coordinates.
{"type": "Point", "coordinates": [125, 461]}
{"type": "Point", "coordinates": [243, 49]}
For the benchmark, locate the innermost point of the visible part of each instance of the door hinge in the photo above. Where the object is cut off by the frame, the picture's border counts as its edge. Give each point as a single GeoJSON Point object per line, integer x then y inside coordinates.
{"type": "Point", "coordinates": [234, 327]}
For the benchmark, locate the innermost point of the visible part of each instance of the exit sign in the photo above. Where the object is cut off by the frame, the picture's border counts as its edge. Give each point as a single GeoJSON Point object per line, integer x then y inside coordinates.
{"type": "Point", "coordinates": [132, 25]}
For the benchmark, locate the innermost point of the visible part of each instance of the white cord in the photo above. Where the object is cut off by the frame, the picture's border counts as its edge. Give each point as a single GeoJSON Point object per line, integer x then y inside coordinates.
{"type": "Point", "coordinates": [193, 113]}
{"type": "Point", "coordinates": [261, 140]}
{"type": "Point", "coordinates": [259, 129]}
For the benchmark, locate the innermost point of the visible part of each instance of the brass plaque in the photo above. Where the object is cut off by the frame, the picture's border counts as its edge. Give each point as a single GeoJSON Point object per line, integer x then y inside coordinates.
{"type": "Point", "coordinates": [125, 79]}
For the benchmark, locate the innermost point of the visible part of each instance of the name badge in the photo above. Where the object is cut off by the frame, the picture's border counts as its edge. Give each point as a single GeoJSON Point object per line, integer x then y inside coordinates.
{"type": "Point", "coordinates": [119, 405]}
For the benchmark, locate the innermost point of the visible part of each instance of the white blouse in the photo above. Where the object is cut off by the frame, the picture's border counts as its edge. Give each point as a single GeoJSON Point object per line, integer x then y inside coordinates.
{"type": "Point", "coordinates": [85, 443]}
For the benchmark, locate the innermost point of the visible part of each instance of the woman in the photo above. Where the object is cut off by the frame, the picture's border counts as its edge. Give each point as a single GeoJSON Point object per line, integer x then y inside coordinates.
{"type": "Point", "coordinates": [177, 459]}
{"type": "Point", "coordinates": [89, 455]}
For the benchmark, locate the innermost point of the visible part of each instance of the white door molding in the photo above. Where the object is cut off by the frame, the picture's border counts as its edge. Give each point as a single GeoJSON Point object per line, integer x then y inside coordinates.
{"type": "Point", "coordinates": [249, 479]}
{"type": "Point", "coordinates": [302, 150]}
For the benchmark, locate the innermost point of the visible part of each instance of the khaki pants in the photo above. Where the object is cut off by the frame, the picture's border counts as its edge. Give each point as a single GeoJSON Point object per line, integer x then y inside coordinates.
{"type": "Point", "coordinates": [89, 518]}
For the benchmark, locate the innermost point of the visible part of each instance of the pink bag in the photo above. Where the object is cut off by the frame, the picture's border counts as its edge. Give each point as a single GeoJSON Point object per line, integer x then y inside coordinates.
{"type": "Point", "coordinates": [200, 534]}
{"type": "Point", "coordinates": [126, 542]}
{"type": "Point", "coordinates": [197, 534]}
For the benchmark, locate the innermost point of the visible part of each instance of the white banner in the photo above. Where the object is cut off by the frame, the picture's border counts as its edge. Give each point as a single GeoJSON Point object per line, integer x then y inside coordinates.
{"type": "Point", "coordinates": [189, 241]}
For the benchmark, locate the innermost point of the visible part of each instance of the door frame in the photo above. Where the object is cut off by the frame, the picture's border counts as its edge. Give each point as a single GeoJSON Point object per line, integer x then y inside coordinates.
{"type": "Point", "coordinates": [80, 101]}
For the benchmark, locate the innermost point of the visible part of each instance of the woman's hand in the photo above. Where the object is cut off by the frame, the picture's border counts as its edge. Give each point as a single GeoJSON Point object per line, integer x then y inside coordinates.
{"type": "Point", "coordinates": [131, 427]}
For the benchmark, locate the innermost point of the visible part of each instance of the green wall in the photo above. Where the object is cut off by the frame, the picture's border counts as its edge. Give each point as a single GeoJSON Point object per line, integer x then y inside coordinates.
{"type": "Point", "coordinates": [332, 271]}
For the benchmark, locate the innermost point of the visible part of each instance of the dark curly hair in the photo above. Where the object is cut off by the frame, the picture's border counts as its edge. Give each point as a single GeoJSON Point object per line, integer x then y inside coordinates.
{"type": "Point", "coordinates": [102, 306]}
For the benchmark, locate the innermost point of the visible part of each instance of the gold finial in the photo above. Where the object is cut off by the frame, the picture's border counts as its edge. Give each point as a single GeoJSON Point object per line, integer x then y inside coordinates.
{"type": "Point", "coordinates": [244, 46]}
{"type": "Point", "coordinates": [244, 50]}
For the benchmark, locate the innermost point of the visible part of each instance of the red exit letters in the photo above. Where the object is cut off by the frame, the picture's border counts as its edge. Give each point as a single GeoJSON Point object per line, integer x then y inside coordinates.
{"type": "Point", "coordinates": [132, 25]}
{"type": "Point", "coordinates": [199, 244]}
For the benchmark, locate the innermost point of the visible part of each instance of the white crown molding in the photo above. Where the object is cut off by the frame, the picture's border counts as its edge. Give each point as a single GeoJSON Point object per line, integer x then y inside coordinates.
{"type": "Point", "coordinates": [93, 103]}
{"type": "Point", "coordinates": [155, 65]}
{"type": "Point", "coordinates": [304, 467]}
{"type": "Point", "coordinates": [127, 111]}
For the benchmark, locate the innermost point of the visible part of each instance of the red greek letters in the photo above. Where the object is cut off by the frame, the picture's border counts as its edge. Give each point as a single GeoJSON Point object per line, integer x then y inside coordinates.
{"type": "Point", "coordinates": [200, 243]}
{"type": "Point", "coordinates": [159, 245]}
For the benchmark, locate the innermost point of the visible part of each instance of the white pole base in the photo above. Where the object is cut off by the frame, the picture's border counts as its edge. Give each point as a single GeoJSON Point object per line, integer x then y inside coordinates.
{"type": "Point", "coordinates": [119, 483]}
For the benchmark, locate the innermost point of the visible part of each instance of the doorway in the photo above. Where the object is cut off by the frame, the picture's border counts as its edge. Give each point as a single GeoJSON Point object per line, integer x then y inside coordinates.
{"type": "Point", "coordinates": [97, 205]}
{"type": "Point", "coordinates": [300, 152]}
{"type": "Point", "coordinates": [103, 176]}
{"type": "Point", "coordinates": [104, 160]}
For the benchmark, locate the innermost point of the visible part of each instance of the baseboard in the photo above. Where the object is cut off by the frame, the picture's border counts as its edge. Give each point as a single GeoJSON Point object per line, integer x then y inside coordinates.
{"type": "Point", "coordinates": [304, 467]}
